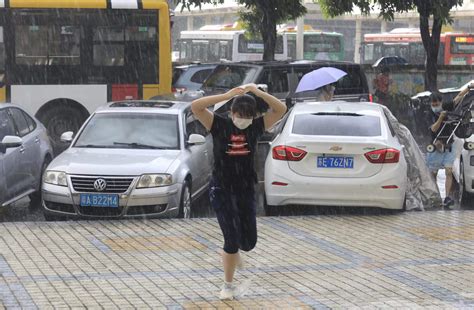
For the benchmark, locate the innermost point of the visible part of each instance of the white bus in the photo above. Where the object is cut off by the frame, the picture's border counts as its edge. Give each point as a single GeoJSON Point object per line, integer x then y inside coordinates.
{"type": "Point", "coordinates": [216, 43]}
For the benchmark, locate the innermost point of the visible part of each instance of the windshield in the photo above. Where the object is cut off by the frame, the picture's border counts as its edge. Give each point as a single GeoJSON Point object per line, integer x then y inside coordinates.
{"type": "Point", "coordinates": [131, 131]}
{"type": "Point", "coordinates": [337, 124]}
{"type": "Point", "coordinates": [227, 77]}
{"type": "Point", "coordinates": [322, 43]}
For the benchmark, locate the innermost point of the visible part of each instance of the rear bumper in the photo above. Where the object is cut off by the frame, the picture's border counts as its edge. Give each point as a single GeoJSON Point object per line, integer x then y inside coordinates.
{"type": "Point", "coordinates": [358, 192]}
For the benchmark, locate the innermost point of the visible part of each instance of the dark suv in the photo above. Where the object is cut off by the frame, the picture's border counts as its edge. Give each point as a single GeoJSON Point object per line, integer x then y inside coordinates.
{"type": "Point", "coordinates": [282, 78]}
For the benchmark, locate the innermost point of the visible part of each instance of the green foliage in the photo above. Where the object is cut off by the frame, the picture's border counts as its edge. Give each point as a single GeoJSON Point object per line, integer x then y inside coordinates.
{"type": "Point", "coordinates": [282, 11]}
{"type": "Point", "coordinates": [388, 8]}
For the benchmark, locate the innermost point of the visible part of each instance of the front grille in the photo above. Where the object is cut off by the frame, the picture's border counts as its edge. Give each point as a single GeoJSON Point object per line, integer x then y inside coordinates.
{"type": "Point", "coordinates": [114, 185]}
{"type": "Point", "coordinates": [100, 211]}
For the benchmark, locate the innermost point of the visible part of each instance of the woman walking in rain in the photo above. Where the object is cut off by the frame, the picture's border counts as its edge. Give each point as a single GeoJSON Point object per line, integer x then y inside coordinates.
{"type": "Point", "coordinates": [232, 191]}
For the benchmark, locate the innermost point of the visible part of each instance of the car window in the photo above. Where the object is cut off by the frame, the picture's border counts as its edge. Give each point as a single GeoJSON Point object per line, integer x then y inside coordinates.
{"type": "Point", "coordinates": [337, 124]}
{"type": "Point", "coordinates": [20, 122]}
{"type": "Point", "coordinates": [6, 125]}
{"type": "Point", "coordinates": [226, 77]}
{"type": "Point", "coordinates": [30, 121]}
{"type": "Point", "coordinates": [193, 126]}
{"type": "Point", "coordinates": [201, 75]}
{"type": "Point", "coordinates": [177, 72]}
{"type": "Point", "coordinates": [131, 130]}
{"type": "Point", "coordinates": [276, 80]}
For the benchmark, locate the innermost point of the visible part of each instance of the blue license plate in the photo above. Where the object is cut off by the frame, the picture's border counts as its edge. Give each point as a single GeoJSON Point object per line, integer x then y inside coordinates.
{"type": "Point", "coordinates": [100, 200]}
{"type": "Point", "coordinates": [343, 162]}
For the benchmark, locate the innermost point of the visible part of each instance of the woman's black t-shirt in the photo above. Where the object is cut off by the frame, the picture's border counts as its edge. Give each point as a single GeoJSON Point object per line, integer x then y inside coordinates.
{"type": "Point", "coordinates": [234, 152]}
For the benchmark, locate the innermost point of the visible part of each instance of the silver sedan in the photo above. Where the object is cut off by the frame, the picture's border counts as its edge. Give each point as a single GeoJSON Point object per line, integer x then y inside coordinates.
{"type": "Point", "coordinates": [131, 159]}
{"type": "Point", "coordinates": [25, 152]}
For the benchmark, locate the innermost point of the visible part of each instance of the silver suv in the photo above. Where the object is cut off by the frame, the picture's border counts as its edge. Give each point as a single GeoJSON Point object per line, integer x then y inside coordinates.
{"type": "Point", "coordinates": [130, 159]}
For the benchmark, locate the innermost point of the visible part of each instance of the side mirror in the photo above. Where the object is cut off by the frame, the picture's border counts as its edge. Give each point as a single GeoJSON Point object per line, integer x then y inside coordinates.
{"type": "Point", "coordinates": [9, 142]}
{"type": "Point", "coordinates": [67, 137]}
{"type": "Point", "coordinates": [196, 140]}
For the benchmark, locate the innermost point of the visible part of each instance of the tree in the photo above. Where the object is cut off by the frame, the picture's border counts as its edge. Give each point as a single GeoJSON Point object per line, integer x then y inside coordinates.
{"type": "Point", "coordinates": [262, 17]}
{"type": "Point", "coordinates": [437, 10]}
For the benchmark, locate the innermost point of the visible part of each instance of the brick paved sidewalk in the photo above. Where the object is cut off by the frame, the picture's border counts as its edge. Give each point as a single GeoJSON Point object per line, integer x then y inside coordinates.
{"type": "Point", "coordinates": [411, 260]}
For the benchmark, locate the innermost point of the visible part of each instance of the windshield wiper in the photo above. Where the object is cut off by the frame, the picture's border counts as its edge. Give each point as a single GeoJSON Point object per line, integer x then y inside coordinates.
{"type": "Point", "coordinates": [140, 145]}
{"type": "Point", "coordinates": [93, 146]}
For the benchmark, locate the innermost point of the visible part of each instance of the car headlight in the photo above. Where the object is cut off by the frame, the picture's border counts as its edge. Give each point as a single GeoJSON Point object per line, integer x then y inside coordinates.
{"type": "Point", "coordinates": [154, 180]}
{"type": "Point", "coordinates": [55, 177]}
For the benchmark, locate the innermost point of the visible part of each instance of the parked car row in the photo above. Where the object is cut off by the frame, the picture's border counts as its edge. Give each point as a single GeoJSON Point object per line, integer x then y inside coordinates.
{"type": "Point", "coordinates": [139, 158]}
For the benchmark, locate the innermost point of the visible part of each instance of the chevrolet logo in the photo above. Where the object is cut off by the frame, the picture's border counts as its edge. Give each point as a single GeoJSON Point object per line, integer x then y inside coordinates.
{"type": "Point", "coordinates": [335, 148]}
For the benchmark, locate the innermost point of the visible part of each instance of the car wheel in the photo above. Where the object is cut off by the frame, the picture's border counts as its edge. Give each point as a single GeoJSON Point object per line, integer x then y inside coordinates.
{"type": "Point", "coordinates": [185, 202]}
{"type": "Point", "coordinates": [35, 198]}
{"type": "Point", "coordinates": [463, 196]}
{"type": "Point", "coordinates": [270, 210]}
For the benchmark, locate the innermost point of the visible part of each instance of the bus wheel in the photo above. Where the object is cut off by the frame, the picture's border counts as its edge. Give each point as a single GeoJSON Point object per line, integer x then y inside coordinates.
{"type": "Point", "coordinates": [59, 118]}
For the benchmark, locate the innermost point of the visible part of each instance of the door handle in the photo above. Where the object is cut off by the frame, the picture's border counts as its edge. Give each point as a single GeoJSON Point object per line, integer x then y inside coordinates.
{"type": "Point", "coordinates": [22, 149]}
{"type": "Point", "coordinates": [37, 140]}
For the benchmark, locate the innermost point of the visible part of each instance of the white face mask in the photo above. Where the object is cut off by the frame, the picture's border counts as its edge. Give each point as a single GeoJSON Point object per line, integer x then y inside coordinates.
{"type": "Point", "coordinates": [436, 109]}
{"type": "Point", "coordinates": [242, 123]}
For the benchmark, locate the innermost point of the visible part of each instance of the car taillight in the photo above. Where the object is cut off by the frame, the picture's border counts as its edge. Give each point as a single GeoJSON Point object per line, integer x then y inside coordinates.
{"type": "Point", "coordinates": [288, 153]}
{"type": "Point", "coordinates": [371, 98]}
{"type": "Point", "coordinates": [178, 89]}
{"type": "Point", "coordinates": [384, 156]}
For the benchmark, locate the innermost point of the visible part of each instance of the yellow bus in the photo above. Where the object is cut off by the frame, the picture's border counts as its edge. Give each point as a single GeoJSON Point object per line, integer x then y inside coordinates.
{"type": "Point", "coordinates": [61, 59]}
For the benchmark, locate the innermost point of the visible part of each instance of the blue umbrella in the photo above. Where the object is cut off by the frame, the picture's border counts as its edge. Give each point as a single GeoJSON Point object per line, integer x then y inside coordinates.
{"type": "Point", "coordinates": [319, 78]}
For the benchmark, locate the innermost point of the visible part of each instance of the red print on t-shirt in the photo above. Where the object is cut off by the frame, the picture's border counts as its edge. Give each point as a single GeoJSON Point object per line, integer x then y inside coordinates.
{"type": "Point", "coordinates": [238, 146]}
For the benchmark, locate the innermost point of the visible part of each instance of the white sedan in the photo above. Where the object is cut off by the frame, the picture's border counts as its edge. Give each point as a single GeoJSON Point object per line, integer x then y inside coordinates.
{"type": "Point", "coordinates": [336, 154]}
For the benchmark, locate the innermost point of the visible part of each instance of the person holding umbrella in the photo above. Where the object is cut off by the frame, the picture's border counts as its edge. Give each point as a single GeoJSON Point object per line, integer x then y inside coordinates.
{"type": "Point", "coordinates": [321, 81]}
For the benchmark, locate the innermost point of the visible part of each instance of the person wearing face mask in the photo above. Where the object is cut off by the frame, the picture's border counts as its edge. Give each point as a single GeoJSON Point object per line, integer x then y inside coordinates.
{"type": "Point", "coordinates": [443, 157]}
{"type": "Point", "coordinates": [232, 187]}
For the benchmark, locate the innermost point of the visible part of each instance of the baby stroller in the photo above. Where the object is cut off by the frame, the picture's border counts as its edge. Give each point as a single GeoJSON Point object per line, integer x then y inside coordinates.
{"type": "Point", "coordinates": [460, 121]}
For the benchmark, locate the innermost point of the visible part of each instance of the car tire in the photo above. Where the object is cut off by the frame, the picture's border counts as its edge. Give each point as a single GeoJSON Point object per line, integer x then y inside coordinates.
{"type": "Point", "coordinates": [270, 210]}
{"type": "Point", "coordinates": [464, 198]}
{"type": "Point", "coordinates": [185, 202]}
{"type": "Point", "coordinates": [35, 198]}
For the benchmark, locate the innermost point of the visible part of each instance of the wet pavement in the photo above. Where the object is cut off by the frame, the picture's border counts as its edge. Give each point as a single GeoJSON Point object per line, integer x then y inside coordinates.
{"type": "Point", "coordinates": [409, 260]}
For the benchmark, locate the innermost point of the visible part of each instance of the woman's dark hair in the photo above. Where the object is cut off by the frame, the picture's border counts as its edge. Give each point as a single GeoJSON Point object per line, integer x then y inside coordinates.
{"type": "Point", "coordinates": [436, 96]}
{"type": "Point", "coordinates": [244, 105]}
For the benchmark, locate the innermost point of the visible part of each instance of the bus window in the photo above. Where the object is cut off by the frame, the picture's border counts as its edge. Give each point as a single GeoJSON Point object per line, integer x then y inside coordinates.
{"type": "Point", "coordinates": [416, 54]}
{"type": "Point", "coordinates": [225, 50]}
{"type": "Point", "coordinates": [64, 45]}
{"type": "Point", "coordinates": [2, 58]}
{"type": "Point", "coordinates": [214, 50]}
{"type": "Point", "coordinates": [369, 53]}
{"type": "Point", "coordinates": [141, 58]}
{"type": "Point", "coordinates": [250, 46]}
{"type": "Point", "coordinates": [27, 53]}
{"type": "Point", "coordinates": [404, 51]}
{"type": "Point", "coordinates": [109, 46]}
{"type": "Point", "coordinates": [389, 50]}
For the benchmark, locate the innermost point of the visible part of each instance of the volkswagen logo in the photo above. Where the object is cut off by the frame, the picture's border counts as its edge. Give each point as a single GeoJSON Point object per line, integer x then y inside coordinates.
{"type": "Point", "coordinates": [100, 185]}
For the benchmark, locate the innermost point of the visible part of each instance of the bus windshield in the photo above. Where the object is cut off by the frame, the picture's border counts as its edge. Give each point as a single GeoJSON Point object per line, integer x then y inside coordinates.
{"type": "Point", "coordinates": [462, 45]}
